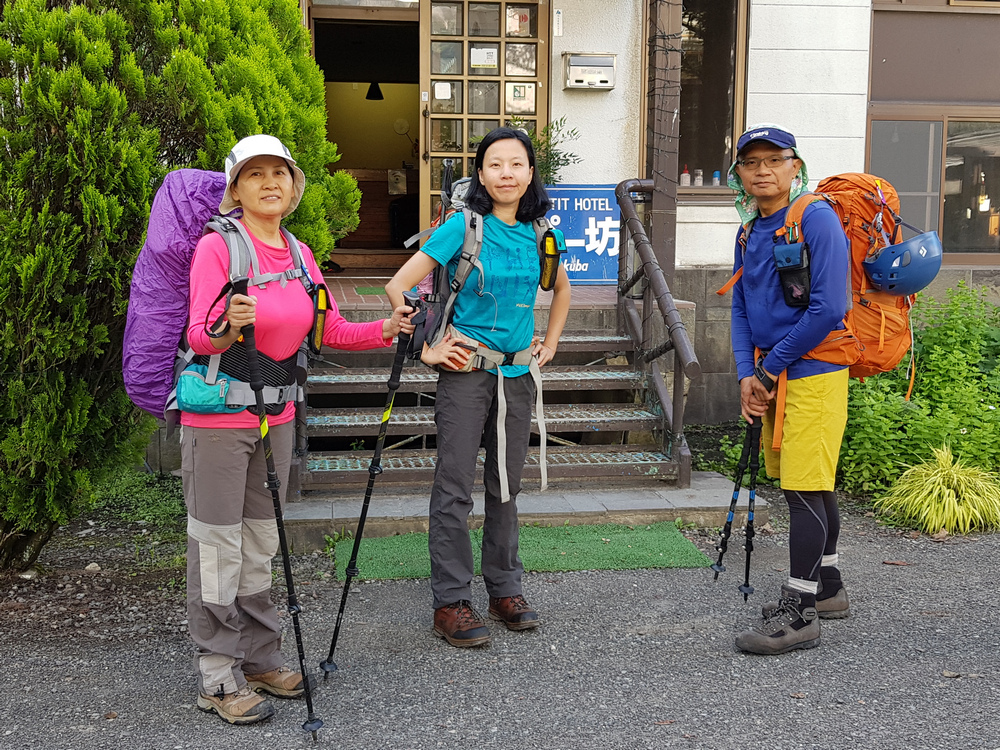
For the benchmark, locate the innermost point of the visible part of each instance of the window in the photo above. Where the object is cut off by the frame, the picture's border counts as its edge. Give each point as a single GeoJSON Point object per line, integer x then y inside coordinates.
{"type": "Point", "coordinates": [482, 63]}
{"type": "Point", "coordinates": [963, 203]}
{"type": "Point", "coordinates": [908, 154]}
{"type": "Point", "coordinates": [710, 51]}
{"type": "Point", "coordinates": [972, 188]}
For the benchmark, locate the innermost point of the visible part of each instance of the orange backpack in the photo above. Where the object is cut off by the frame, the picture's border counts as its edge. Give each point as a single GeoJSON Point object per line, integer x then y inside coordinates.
{"type": "Point", "coordinates": [876, 333]}
{"type": "Point", "coordinates": [879, 321]}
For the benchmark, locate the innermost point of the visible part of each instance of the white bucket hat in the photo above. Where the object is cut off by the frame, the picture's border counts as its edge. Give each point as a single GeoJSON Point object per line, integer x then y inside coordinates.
{"type": "Point", "coordinates": [259, 145]}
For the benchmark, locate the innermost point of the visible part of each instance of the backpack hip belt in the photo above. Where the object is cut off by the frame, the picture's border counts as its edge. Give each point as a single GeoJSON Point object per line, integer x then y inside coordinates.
{"type": "Point", "coordinates": [484, 358]}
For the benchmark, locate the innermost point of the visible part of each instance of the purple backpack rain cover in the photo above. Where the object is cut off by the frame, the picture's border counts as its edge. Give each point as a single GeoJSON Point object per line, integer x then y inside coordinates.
{"type": "Point", "coordinates": [158, 301]}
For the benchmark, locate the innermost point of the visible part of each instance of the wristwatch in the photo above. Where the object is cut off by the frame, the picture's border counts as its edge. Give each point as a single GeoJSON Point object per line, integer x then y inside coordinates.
{"type": "Point", "coordinates": [763, 377]}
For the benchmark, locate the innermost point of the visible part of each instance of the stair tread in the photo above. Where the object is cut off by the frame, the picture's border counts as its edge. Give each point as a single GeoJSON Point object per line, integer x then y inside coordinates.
{"type": "Point", "coordinates": [374, 378]}
{"type": "Point", "coordinates": [420, 459]}
{"type": "Point", "coordinates": [419, 419]}
{"type": "Point", "coordinates": [563, 464]}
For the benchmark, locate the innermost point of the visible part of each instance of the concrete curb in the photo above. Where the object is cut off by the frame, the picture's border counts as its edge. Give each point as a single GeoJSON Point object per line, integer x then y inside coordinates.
{"type": "Point", "coordinates": [704, 504]}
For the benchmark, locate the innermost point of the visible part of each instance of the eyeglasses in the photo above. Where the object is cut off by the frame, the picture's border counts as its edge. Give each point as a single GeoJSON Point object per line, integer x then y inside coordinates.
{"type": "Point", "coordinates": [771, 162]}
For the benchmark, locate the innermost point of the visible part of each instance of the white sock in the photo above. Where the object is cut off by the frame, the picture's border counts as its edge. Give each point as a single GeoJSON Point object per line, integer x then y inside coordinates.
{"type": "Point", "coordinates": [800, 584]}
{"type": "Point", "coordinates": [830, 561]}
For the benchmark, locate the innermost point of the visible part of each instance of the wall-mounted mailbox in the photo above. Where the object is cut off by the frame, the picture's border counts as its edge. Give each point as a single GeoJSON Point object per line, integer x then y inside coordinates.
{"type": "Point", "coordinates": [587, 70]}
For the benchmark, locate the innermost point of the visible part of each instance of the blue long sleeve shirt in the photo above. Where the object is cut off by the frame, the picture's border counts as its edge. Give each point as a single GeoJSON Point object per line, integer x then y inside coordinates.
{"type": "Point", "coordinates": [760, 317]}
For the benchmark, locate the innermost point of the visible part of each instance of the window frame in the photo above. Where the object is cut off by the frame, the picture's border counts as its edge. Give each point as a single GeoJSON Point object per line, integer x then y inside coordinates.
{"type": "Point", "coordinates": [722, 195]}
{"type": "Point", "coordinates": [944, 114]}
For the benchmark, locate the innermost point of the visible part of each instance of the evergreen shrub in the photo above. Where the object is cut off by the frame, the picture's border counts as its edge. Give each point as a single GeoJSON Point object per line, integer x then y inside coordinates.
{"type": "Point", "coordinates": [98, 100]}
{"type": "Point", "coordinates": [955, 398]}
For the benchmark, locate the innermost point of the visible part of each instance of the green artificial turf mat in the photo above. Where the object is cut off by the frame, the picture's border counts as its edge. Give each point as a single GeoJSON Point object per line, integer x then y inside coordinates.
{"type": "Point", "coordinates": [367, 291]}
{"type": "Point", "coordinates": [559, 548]}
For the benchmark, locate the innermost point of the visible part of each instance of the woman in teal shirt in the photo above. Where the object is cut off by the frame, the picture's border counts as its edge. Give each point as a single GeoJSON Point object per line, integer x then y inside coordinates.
{"type": "Point", "coordinates": [495, 309]}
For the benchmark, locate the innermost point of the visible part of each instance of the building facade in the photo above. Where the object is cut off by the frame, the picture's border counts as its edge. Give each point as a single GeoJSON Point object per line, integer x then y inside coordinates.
{"type": "Point", "coordinates": [906, 89]}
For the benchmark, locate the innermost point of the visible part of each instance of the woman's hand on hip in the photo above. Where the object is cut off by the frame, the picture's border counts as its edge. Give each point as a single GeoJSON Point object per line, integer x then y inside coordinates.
{"type": "Point", "coordinates": [451, 353]}
{"type": "Point", "coordinates": [542, 352]}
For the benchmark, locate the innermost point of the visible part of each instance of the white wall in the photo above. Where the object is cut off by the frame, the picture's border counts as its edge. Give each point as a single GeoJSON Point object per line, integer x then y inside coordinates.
{"type": "Point", "coordinates": [607, 120]}
{"type": "Point", "coordinates": [807, 70]}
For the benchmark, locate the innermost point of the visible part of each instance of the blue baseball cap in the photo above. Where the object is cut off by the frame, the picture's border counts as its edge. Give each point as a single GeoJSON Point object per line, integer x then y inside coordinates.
{"type": "Point", "coordinates": [773, 134]}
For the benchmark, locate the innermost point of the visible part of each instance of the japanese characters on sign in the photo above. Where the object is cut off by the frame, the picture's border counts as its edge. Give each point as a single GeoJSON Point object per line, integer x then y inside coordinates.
{"type": "Point", "coordinates": [589, 218]}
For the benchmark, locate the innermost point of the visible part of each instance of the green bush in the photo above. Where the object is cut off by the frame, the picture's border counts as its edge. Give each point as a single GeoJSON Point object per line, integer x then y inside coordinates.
{"type": "Point", "coordinates": [98, 100]}
{"type": "Point", "coordinates": [137, 497]}
{"type": "Point", "coordinates": [954, 402]}
{"type": "Point", "coordinates": [944, 494]}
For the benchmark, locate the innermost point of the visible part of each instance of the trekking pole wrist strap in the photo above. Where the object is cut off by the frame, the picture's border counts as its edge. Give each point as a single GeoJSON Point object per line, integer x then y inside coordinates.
{"type": "Point", "coordinates": [763, 377]}
{"type": "Point", "coordinates": [210, 331]}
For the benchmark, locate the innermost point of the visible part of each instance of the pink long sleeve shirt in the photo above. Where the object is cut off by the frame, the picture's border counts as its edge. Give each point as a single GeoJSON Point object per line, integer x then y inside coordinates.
{"type": "Point", "coordinates": [284, 317]}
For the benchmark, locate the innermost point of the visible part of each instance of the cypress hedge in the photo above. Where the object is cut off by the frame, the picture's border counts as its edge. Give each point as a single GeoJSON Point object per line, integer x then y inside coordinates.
{"type": "Point", "coordinates": [99, 99]}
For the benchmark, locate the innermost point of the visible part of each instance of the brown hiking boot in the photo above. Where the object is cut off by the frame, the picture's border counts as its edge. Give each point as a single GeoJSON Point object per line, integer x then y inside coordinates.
{"type": "Point", "coordinates": [242, 707]}
{"type": "Point", "coordinates": [514, 612]}
{"type": "Point", "coordinates": [788, 627]}
{"type": "Point", "coordinates": [836, 607]}
{"type": "Point", "coordinates": [460, 625]}
{"type": "Point", "coordinates": [281, 682]}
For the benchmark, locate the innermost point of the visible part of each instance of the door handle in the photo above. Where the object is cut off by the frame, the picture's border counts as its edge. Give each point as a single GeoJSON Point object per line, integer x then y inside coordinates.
{"type": "Point", "coordinates": [427, 134]}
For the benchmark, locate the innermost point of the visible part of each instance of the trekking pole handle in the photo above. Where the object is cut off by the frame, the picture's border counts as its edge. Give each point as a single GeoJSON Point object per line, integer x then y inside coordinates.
{"type": "Point", "coordinates": [249, 341]}
{"type": "Point", "coordinates": [397, 363]}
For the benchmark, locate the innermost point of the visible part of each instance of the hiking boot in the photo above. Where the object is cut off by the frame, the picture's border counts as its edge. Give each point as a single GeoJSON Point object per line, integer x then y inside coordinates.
{"type": "Point", "coordinates": [514, 612]}
{"type": "Point", "coordinates": [836, 607]}
{"type": "Point", "coordinates": [281, 682]}
{"type": "Point", "coordinates": [460, 625]}
{"type": "Point", "coordinates": [790, 626]}
{"type": "Point", "coordinates": [242, 707]}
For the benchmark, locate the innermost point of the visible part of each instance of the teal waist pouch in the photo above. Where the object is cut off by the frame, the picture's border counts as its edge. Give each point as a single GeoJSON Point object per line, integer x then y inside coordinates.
{"type": "Point", "coordinates": [197, 396]}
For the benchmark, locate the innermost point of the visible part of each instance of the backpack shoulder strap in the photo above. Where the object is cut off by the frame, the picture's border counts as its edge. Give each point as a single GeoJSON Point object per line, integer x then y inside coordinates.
{"type": "Point", "coordinates": [243, 259]}
{"type": "Point", "coordinates": [242, 254]}
{"type": "Point", "coordinates": [541, 225]}
{"type": "Point", "coordinates": [792, 230]}
{"type": "Point", "coordinates": [472, 244]}
{"type": "Point", "coordinates": [298, 269]}
{"type": "Point", "coordinates": [742, 239]}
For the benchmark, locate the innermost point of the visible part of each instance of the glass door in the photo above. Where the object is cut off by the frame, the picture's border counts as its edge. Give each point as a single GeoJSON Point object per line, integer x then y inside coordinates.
{"type": "Point", "coordinates": [482, 64]}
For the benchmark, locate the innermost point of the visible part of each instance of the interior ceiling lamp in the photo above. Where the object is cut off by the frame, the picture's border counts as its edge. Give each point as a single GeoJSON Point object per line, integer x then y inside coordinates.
{"type": "Point", "coordinates": [374, 93]}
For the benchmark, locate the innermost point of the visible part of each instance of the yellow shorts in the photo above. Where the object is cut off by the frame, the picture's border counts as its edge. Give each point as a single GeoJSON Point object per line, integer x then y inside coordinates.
{"type": "Point", "coordinates": [815, 417]}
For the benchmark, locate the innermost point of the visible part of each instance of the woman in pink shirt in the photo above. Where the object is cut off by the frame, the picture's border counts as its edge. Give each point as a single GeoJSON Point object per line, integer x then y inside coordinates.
{"type": "Point", "coordinates": [232, 534]}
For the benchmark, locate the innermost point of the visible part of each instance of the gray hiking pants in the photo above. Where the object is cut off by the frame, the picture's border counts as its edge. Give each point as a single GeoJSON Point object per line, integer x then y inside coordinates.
{"type": "Point", "coordinates": [466, 416]}
{"type": "Point", "coordinates": [232, 536]}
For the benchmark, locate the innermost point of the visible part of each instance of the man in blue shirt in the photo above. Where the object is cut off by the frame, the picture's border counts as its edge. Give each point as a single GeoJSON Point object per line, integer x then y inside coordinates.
{"type": "Point", "coordinates": [771, 340]}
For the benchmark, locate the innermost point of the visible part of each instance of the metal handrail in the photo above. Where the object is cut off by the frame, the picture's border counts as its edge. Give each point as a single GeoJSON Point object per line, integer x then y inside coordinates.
{"type": "Point", "coordinates": [631, 320]}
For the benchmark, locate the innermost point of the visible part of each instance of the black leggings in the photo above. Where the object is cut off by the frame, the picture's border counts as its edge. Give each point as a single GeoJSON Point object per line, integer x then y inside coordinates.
{"type": "Point", "coordinates": [815, 529]}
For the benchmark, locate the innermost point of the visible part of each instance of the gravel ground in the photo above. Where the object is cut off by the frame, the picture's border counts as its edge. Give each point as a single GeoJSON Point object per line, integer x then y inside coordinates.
{"type": "Point", "coordinates": [630, 660]}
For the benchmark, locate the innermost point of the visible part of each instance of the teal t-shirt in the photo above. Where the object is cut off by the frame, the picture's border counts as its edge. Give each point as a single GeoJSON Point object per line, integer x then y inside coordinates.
{"type": "Point", "coordinates": [503, 318]}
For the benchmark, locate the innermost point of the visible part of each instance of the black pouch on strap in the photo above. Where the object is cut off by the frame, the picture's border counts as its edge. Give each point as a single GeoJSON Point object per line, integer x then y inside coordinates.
{"type": "Point", "coordinates": [793, 271]}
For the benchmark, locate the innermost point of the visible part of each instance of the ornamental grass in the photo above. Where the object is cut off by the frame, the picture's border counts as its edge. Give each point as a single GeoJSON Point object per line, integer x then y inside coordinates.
{"type": "Point", "coordinates": [944, 494]}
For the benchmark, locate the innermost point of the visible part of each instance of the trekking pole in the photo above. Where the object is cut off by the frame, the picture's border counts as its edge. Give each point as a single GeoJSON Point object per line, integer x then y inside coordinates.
{"type": "Point", "coordinates": [312, 724]}
{"type": "Point", "coordinates": [374, 469]}
{"type": "Point", "coordinates": [753, 432]}
{"type": "Point", "coordinates": [741, 467]}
